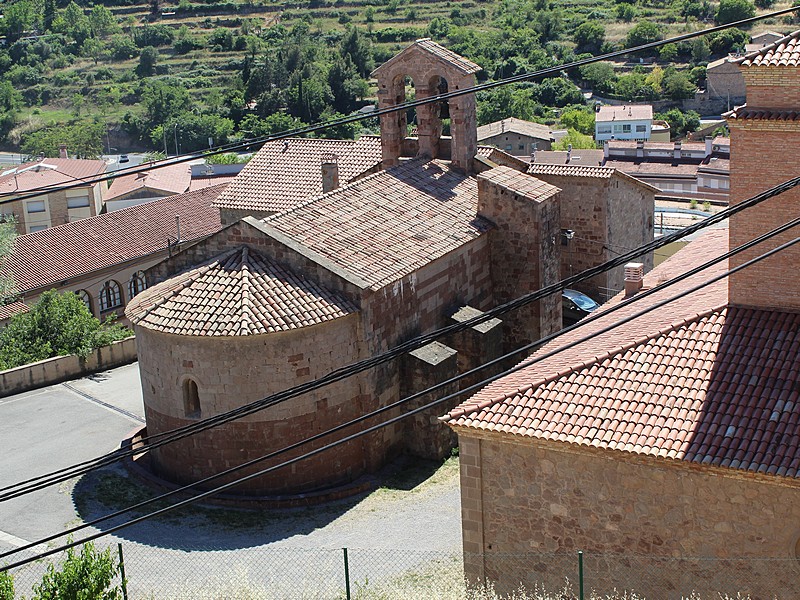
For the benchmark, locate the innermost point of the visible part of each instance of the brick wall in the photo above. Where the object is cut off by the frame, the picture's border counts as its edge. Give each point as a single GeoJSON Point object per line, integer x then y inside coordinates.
{"type": "Point", "coordinates": [230, 372]}
{"type": "Point", "coordinates": [762, 155]}
{"type": "Point", "coordinates": [774, 87]}
{"type": "Point", "coordinates": [521, 496]}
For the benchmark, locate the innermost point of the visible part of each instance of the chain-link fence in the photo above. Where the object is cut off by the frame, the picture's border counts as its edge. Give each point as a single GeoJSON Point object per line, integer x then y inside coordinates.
{"type": "Point", "coordinates": [366, 574]}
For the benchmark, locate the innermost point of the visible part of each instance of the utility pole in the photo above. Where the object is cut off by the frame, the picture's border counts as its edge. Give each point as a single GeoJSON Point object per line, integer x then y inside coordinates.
{"type": "Point", "coordinates": [177, 153]}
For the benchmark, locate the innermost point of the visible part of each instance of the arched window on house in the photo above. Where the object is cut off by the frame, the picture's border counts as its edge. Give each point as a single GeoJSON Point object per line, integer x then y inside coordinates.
{"type": "Point", "coordinates": [110, 296]}
{"type": "Point", "coordinates": [86, 299]}
{"type": "Point", "coordinates": [137, 284]}
{"type": "Point", "coordinates": [191, 399]}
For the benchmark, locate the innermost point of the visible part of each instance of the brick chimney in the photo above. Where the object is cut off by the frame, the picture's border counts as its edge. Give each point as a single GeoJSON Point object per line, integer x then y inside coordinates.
{"type": "Point", "coordinates": [62, 151]}
{"type": "Point", "coordinates": [634, 278]}
{"type": "Point", "coordinates": [676, 153]}
{"type": "Point", "coordinates": [640, 149]}
{"type": "Point", "coordinates": [709, 145]}
{"type": "Point", "coordinates": [330, 172]}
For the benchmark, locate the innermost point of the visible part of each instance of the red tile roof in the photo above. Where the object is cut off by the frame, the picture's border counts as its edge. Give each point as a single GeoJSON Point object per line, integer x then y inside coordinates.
{"type": "Point", "coordinates": [654, 167]}
{"type": "Point", "coordinates": [391, 223]}
{"type": "Point", "coordinates": [237, 293]}
{"type": "Point", "coordinates": [586, 171]}
{"type": "Point", "coordinates": [784, 52]}
{"type": "Point", "coordinates": [12, 308]}
{"type": "Point", "coordinates": [583, 157]}
{"type": "Point", "coordinates": [48, 172]}
{"type": "Point", "coordinates": [517, 182]}
{"type": "Point", "coordinates": [170, 179]}
{"type": "Point", "coordinates": [743, 113]}
{"type": "Point", "coordinates": [285, 173]}
{"type": "Point", "coordinates": [198, 183]}
{"type": "Point", "coordinates": [467, 67]}
{"type": "Point", "coordinates": [48, 257]}
{"type": "Point", "coordinates": [695, 381]}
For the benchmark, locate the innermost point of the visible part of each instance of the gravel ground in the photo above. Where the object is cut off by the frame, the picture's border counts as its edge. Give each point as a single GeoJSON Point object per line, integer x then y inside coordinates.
{"type": "Point", "coordinates": [289, 553]}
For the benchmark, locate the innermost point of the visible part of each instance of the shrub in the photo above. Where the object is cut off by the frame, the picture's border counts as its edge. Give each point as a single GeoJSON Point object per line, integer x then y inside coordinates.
{"type": "Point", "coordinates": [89, 574]}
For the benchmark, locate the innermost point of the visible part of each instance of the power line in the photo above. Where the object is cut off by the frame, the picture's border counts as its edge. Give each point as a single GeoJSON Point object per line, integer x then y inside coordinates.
{"type": "Point", "coordinates": [178, 159]}
{"type": "Point", "coordinates": [428, 406]}
{"type": "Point", "coordinates": [166, 437]}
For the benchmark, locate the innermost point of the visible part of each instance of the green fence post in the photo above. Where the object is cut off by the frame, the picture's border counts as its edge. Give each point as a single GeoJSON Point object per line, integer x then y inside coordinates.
{"type": "Point", "coordinates": [122, 572]}
{"type": "Point", "coordinates": [346, 574]}
{"type": "Point", "coordinates": [580, 574]}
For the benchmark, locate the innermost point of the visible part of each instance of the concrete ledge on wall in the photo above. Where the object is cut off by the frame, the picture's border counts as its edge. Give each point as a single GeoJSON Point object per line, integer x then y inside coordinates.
{"type": "Point", "coordinates": [61, 368]}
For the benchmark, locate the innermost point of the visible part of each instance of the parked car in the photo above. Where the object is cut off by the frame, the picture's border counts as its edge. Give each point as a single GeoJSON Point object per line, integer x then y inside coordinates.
{"type": "Point", "coordinates": [575, 306]}
{"type": "Point", "coordinates": [123, 158]}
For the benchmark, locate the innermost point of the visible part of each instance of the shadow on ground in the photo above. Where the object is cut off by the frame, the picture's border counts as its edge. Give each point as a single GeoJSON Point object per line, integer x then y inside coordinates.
{"type": "Point", "coordinates": [200, 527]}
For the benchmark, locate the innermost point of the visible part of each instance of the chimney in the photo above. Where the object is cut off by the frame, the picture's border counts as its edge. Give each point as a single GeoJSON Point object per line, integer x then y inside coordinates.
{"type": "Point", "coordinates": [569, 152]}
{"type": "Point", "coordinates": [62, 151]}
{"type": "Point", "coordinates": [634, 278]}
{"type": "Point", "coordinates": [606, 151]}
{"type": "Point", "coordinates": [677, 152]}
{"type": "Point", "coordinates": [330, 172]}
{"type": "Point", "coordinates": [640, 149]}
{"type": "Point", "coordinates": [709, 145]}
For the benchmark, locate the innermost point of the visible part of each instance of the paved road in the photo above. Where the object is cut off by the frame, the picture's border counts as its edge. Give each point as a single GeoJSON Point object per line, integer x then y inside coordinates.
{"type": "Point", "coordinates": [194, 552]}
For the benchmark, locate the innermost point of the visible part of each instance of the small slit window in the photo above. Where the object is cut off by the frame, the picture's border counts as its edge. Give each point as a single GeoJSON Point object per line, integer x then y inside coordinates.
{"type": "Point", "coordinates": [110, 296]}
{"type": "Point", "coordinates": [191, 399]}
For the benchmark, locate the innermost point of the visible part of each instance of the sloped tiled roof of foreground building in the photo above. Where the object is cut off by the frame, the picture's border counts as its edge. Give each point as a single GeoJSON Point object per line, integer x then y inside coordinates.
{"type": "Point", "coordinates": [784, 52]}
{"type": "Point", "coordinates": [239, 292]}
{"type": "Point", "coordinates": [391, 223]}
{"type": "Point", "coordinates": [285, 173]}
{"type": "Point", "coordinates": [696, 380]}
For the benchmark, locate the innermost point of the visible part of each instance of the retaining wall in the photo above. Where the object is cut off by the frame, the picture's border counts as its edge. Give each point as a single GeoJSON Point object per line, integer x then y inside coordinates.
{"type": "Point", "coordinates": [54, 370]}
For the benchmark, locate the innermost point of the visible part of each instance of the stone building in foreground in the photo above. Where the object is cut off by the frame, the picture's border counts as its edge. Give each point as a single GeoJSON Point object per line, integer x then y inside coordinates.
{"type": "Point", "coordinates": [439, 232]}
{"type": "Point", "coordinates": [667, 449]}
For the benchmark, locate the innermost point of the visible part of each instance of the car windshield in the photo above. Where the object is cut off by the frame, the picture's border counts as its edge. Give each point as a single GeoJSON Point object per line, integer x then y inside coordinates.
{"type": "Point", "coordinates": [583, 301]}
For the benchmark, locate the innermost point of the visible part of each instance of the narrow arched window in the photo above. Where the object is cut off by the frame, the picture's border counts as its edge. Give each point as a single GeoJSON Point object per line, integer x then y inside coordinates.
{"type": "Point", "coordinates": [191, 399]}
{"type": "Point", "coordinates": [137, 284]}
{"type": "Point", "coordinates": [110, 296]}
{"type": "Point", "coordinates": [85, 298]}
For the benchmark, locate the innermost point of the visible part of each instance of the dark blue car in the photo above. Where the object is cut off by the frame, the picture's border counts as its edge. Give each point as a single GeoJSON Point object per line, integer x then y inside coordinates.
{"type": "Point", "coordinates": [575, 306]}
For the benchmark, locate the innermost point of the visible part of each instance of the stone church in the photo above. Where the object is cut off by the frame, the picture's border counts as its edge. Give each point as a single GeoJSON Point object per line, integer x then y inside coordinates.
{"type": "Point", "coordinates": [440, 230]}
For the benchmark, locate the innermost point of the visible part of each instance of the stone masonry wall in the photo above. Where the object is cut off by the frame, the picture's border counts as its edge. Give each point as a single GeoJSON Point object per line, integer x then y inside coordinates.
{"type": "Point", "coordinates": [761, 157]}
{"type": "Point", "coordinates": [230, 372]}
{"type": "Point", "coordinates": [524, 501]}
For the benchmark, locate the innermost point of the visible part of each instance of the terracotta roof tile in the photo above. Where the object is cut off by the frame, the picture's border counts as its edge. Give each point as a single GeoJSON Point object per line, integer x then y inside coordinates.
{"type": "Point", "coordinates": [238, 293]}
{"type": "Point", "coordinates": [784, 52]}
{"type": "Point", "coordinates": [390, 223]}
{"type": "Point", "coordinates": [582, 157]}
{"type": "Point", "coordinates": [512, 125]}
{"type": "Point", "coordinates": [48, 257]}
{"type": "Point", "coordinates": [571, 170]}
{"type": "Point", "coordinates": [12, 308]}
{"type": "Point", "coordinates": [285, 173]}
{"type": "Point", "coordinates": [467, 67]}
{"type": "Point", "coordinates": [742, 113]}
{"type": "Point", "coordinates": [513, 180]}
{"type": "Point", "coordinates": [696, 381]}
{"type": "Point", "coordinates": [169, 179]}
{"type": "Point", "coordinates": [48, 172]}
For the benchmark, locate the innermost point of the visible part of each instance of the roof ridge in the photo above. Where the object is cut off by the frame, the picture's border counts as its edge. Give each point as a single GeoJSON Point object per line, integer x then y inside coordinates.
{"type": "Point", "coordinates": [461, 412]}
{"type": "Point", "coordinates": [246, 305]}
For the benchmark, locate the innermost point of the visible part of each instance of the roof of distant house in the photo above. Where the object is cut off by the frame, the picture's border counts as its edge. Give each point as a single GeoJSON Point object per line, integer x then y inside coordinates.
{"type": "Point", "coordinates": [584, 157]}
{"type": "Point", "coordinates": [625, 112]}
{"type": "Point", "coordinates": [390, 223]}
{"type": "Point", "coordinates": [654, 167]}
{"type": "Point", "coordinates": [238, 293]}
{"type": "Point", "coordinates": [586, 171]}
{"type": "Point", "coordinates": [48, 257]}
{"type": "Point", "coordinates": [285, 173]}
{"type": "Point", "coordinates": [49, 172]}
{"type": "Point", "coordinates": [695, 380]}
{"type": "Point", "coordinates": [780, 53]}
{"type": "Point", "coordinates": [512, 125]}
{"type": "Point", "coordinates": [167, 180]}
{"type": "Point", "coordinates": [198, 183]}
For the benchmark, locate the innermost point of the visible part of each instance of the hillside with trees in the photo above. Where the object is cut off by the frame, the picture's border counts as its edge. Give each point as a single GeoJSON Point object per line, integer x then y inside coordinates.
{"type": "Point", "coordinates": [160, 75]}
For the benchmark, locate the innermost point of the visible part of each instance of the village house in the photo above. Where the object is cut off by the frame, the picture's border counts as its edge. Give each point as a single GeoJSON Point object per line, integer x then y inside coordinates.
{"type": "Point", "coordinates": [626, 122]}
{"type": "Point", "coordinates": [674, 435]}
{"type": "Point", "coordinates": [56, 205]}
{"type": "Point", "coordinates": [103, 258]}
{"type": "Point", "coordinates": [516, 136]}
{"type": "Point", "coordinates": [432, 231]}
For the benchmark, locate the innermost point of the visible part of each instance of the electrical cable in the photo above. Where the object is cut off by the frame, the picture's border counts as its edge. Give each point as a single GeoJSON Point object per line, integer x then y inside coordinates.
{"type": "Point", "coordinates": [474, 387]}
{"type": "Point", "coordinates": [166, 437]}
{"type": "Point", "coordinates": [411, 104]}
{"type": "Point", "coordinates": [428, 406]}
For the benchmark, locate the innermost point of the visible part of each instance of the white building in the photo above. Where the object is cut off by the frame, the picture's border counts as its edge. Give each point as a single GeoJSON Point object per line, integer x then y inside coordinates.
{"type": "Point", "coordinates": [626, 122]}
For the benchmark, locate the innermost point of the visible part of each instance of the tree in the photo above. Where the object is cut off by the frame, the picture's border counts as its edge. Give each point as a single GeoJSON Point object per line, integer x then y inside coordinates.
{"type": "Point", "coordinates": [599, 76]}
{"type": "Point", "coordinates": [147, 62]}
{"type": "Point", "coordinates": [579, 119]}
{"type": "Point", "coordinates": [88, 575]}
{"type": "Point", "coordinates": [576, 139]}
{"type": "Point", "coordinates": [676, 85]}
{"type": "Point", "coordinates": [83, 139]}
{"type": "Point", "coordinates": [8, 289]}
{"type": "Point", "coordinates": [254, 126]}
{"type": "Point", "coordinates": [589, 37]}
{"type": "Point", "coordinates": [346, 85]}
{"type": "Point", "coordinates": [734, 10]}
{"type": "Point", "coordinates": [357, 47]}
{"type": "Point", "coordinates": [645, 32]}
{"type": "Point", "coordinates": [680, 123]}
{"type": "Point", "coordinates": [193, 131]}
{"type": "Point", "coordinates": [58, 324]}
{"type": "Point", "coordinates": [6, 586]}
{"type": "Point", "coordinates": [163, 101]}
{"type": "Point", "coordinates": [18, 18]}
{"type": "Point", "coordinates": [102, 21]}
